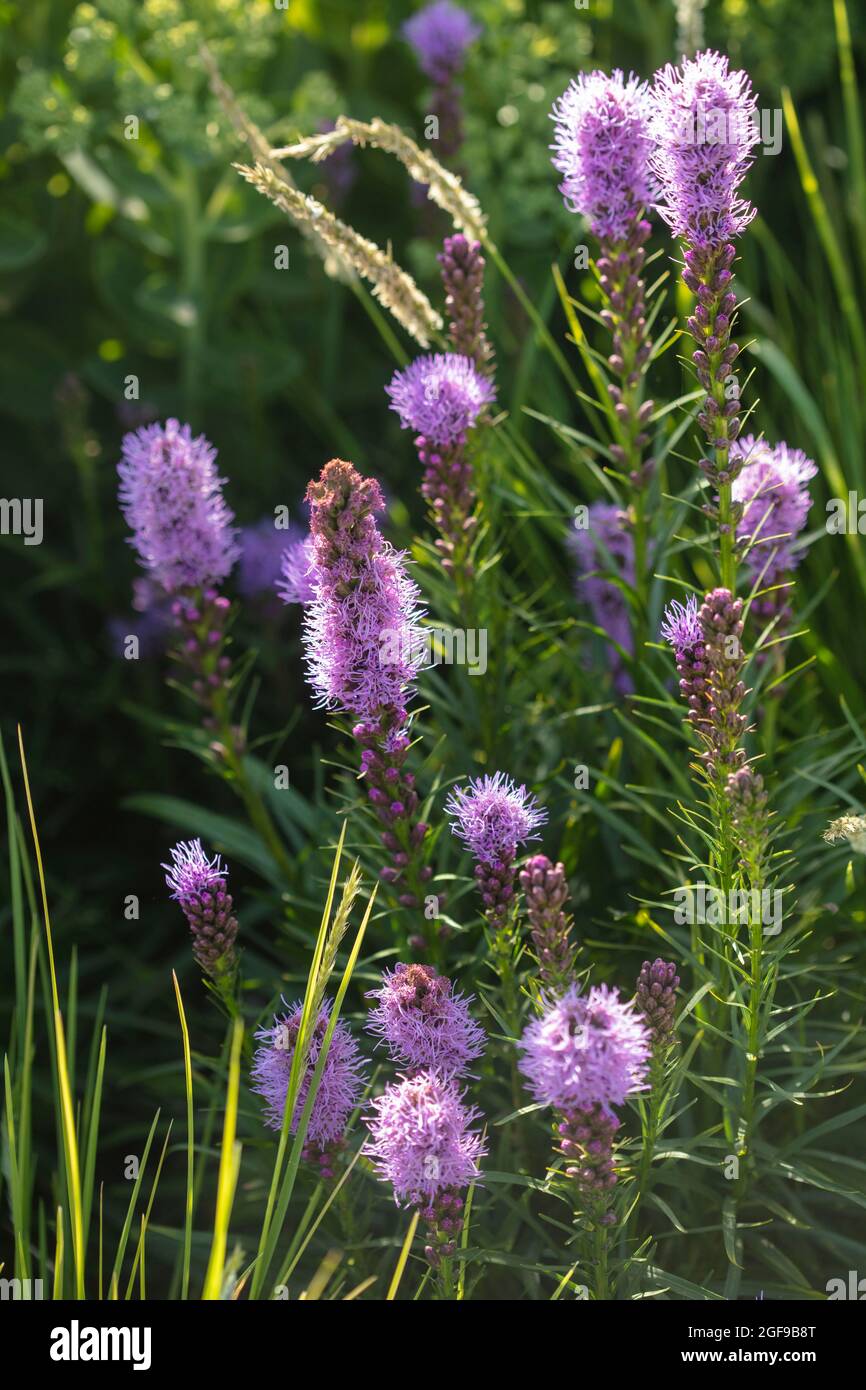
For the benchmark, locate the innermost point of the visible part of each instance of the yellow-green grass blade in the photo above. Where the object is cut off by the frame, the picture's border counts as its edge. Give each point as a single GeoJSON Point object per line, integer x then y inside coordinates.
{"type": "Point", "coordinates": [124, 1234]}
{"type": "Point", "coordinates": [70, 1144]}
{"type": "Point", "coordinates": [145, 1219]}
{"type": "Point", "coordinates": [57, 1292]}
{"type": "Point", "coordinates": [853, 124]}
{"type": "Point", "coordinates": [295, 1074]}
{"type": "Point", "coordinates": [403, 1257]}
{"type": "Point", "coordinates": [190, 1143]}
{"type": "Point", "coordinates": [826, 231]}
{"type": "Point", "coordinates": [92, 1130]}
{"type": "Point", "coordinates": [303, 1122]}
{"type": "Point", "coordinates": [228, 1171]}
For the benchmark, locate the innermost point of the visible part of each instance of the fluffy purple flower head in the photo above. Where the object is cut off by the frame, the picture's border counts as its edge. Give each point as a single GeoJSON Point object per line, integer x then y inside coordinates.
{"type": "Point", "coordinates": [171, 497]}
{"type": "Point", "coordinates": [342, 1078]}
{"type": "Point", "coordinates": [440, 35]}
{"type": "Point", "coordinates": [773, 489]}
{"type": "Point", "coordinates": [493, 816]}
{"type": "Point", "coordinates": [296, 582]}
{"type": "Point", "coordinates": [421, 1138]}
{"type": "Point", "coordinates": [607, 545]}
{"type": "Point", "coordinates": [363, 639]}
{"type": "Point", "coordinates": [425, 1023]}
{"type": "Point", "coordinates": [704, 123]}
{"type": "Point", "coordinates": [191, 873]}
{"type": "Point", "coordinates": [585, 1050]}
{"type": "Point", "coordinates": [681, 625]}
{"type": "Point", "coordinates": [440, 396]}
{"type": "Point", "coordinates": [602, 147]}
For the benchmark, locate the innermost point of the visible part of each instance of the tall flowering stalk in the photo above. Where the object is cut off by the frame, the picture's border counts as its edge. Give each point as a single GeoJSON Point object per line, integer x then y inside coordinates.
{"type": "Point", "coordinates": [171, 497]}
{"type": "Point", "coordinates": [545, 893]}
{"type": "Point", "coordinates": [425, 1142]}
{"type": "Point", "coordinates": [602, 148]}
{"type": "Point", "coordinates": [493, 817]}
{"type": "Point", "coordinates": [705, 126]}
{"type": "Point", "coordinates": [462, 267]}
{"type": "Point", "coordinates": [655, 998]}
{"type": "Point", "coordinates": [440, 397]}
{"type": "Point", "coordinates": [440, 35]}
{"type": "Point", "coordinates": [423, 1137]}
{"type": "Point", "coordinates": [584, 1056]}
{"type": "Point", "coordinates": [198, 884]}
{"type": "Point", "coordinates": [364, 647]}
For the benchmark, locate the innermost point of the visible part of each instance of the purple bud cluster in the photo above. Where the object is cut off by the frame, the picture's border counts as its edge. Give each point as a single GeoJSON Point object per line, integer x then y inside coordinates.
{"type": "Point", "coordinates": [545, 892]}
{"type": "Point", "coordinates": [709, 653]}
{"type": "Point", "coordinates": [655, 997]}
{"type": "Point", "coordinates": [201, 622]}
{"type": "Point", "coordinates": [198, 884]}
{"type": "Point", "coordinates": [462, 267]}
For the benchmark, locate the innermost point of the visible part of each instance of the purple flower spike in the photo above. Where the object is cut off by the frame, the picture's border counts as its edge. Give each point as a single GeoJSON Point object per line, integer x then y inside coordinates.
{"type": "Point", "coordinates": [705, 124]}
{"type": "Point", "coordinates": [198, 884]}
{"type": "Point", "coordinates": [296, 583]}
{"type": "Point", "coordinates": [462, 267]}
{"type": "Point", "coordinates": [362, 635]}
{"type": "Point", "coordinates": [602, 148]}
{"type": "Point", "coordinates": [422, 1139]}
{"type": "Point", "coordinates": [364, 647]}
{"type": "Point", "coordinates": [440, 35]}
{"type": "Point", "coordinates": [440, 396]}
{"type": "Point", "coordinates": [586, 1050]}
{"type": "Point", "coordinates": [341, 1084]}
{"type": "Point", "coordinates": [425, 1023]}
{"type": "Point", "coordinates": [171, 496]}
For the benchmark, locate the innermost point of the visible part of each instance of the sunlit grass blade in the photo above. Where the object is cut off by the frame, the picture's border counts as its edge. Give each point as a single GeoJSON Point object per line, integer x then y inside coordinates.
{"type": "Point", "coordinates": [403, 1257]}
{"type": "Point", "coordinates": [228, 1171]}
{"type": "Point", "coordinates": [190, 1142]}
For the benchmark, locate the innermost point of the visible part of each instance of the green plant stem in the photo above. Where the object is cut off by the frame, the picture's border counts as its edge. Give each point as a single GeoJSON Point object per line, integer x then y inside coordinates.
{"type": "Point", "coordinates": [192, 261]}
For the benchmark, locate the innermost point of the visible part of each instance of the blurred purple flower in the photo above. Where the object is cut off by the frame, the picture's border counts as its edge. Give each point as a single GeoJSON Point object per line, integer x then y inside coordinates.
{"type": "Point", "coordinates": [171, 497]}
{"type": "Point", "coordinates": [296, 582]}
{"type": "Point", "coordinates": [607, 540]}
{"type": "Point", "coordinates": [262, 546]}
{"type": "Point", "coordinates": [440, 34]}
{"type": "Point", "coordinates": [772, 487]}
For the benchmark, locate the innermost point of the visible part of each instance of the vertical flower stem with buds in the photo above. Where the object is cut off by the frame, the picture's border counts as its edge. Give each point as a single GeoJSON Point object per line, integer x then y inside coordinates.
{"type": "Point", "coordinates": [623, 287]}
{"type": "Point", "coordinates": [203, 617]}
